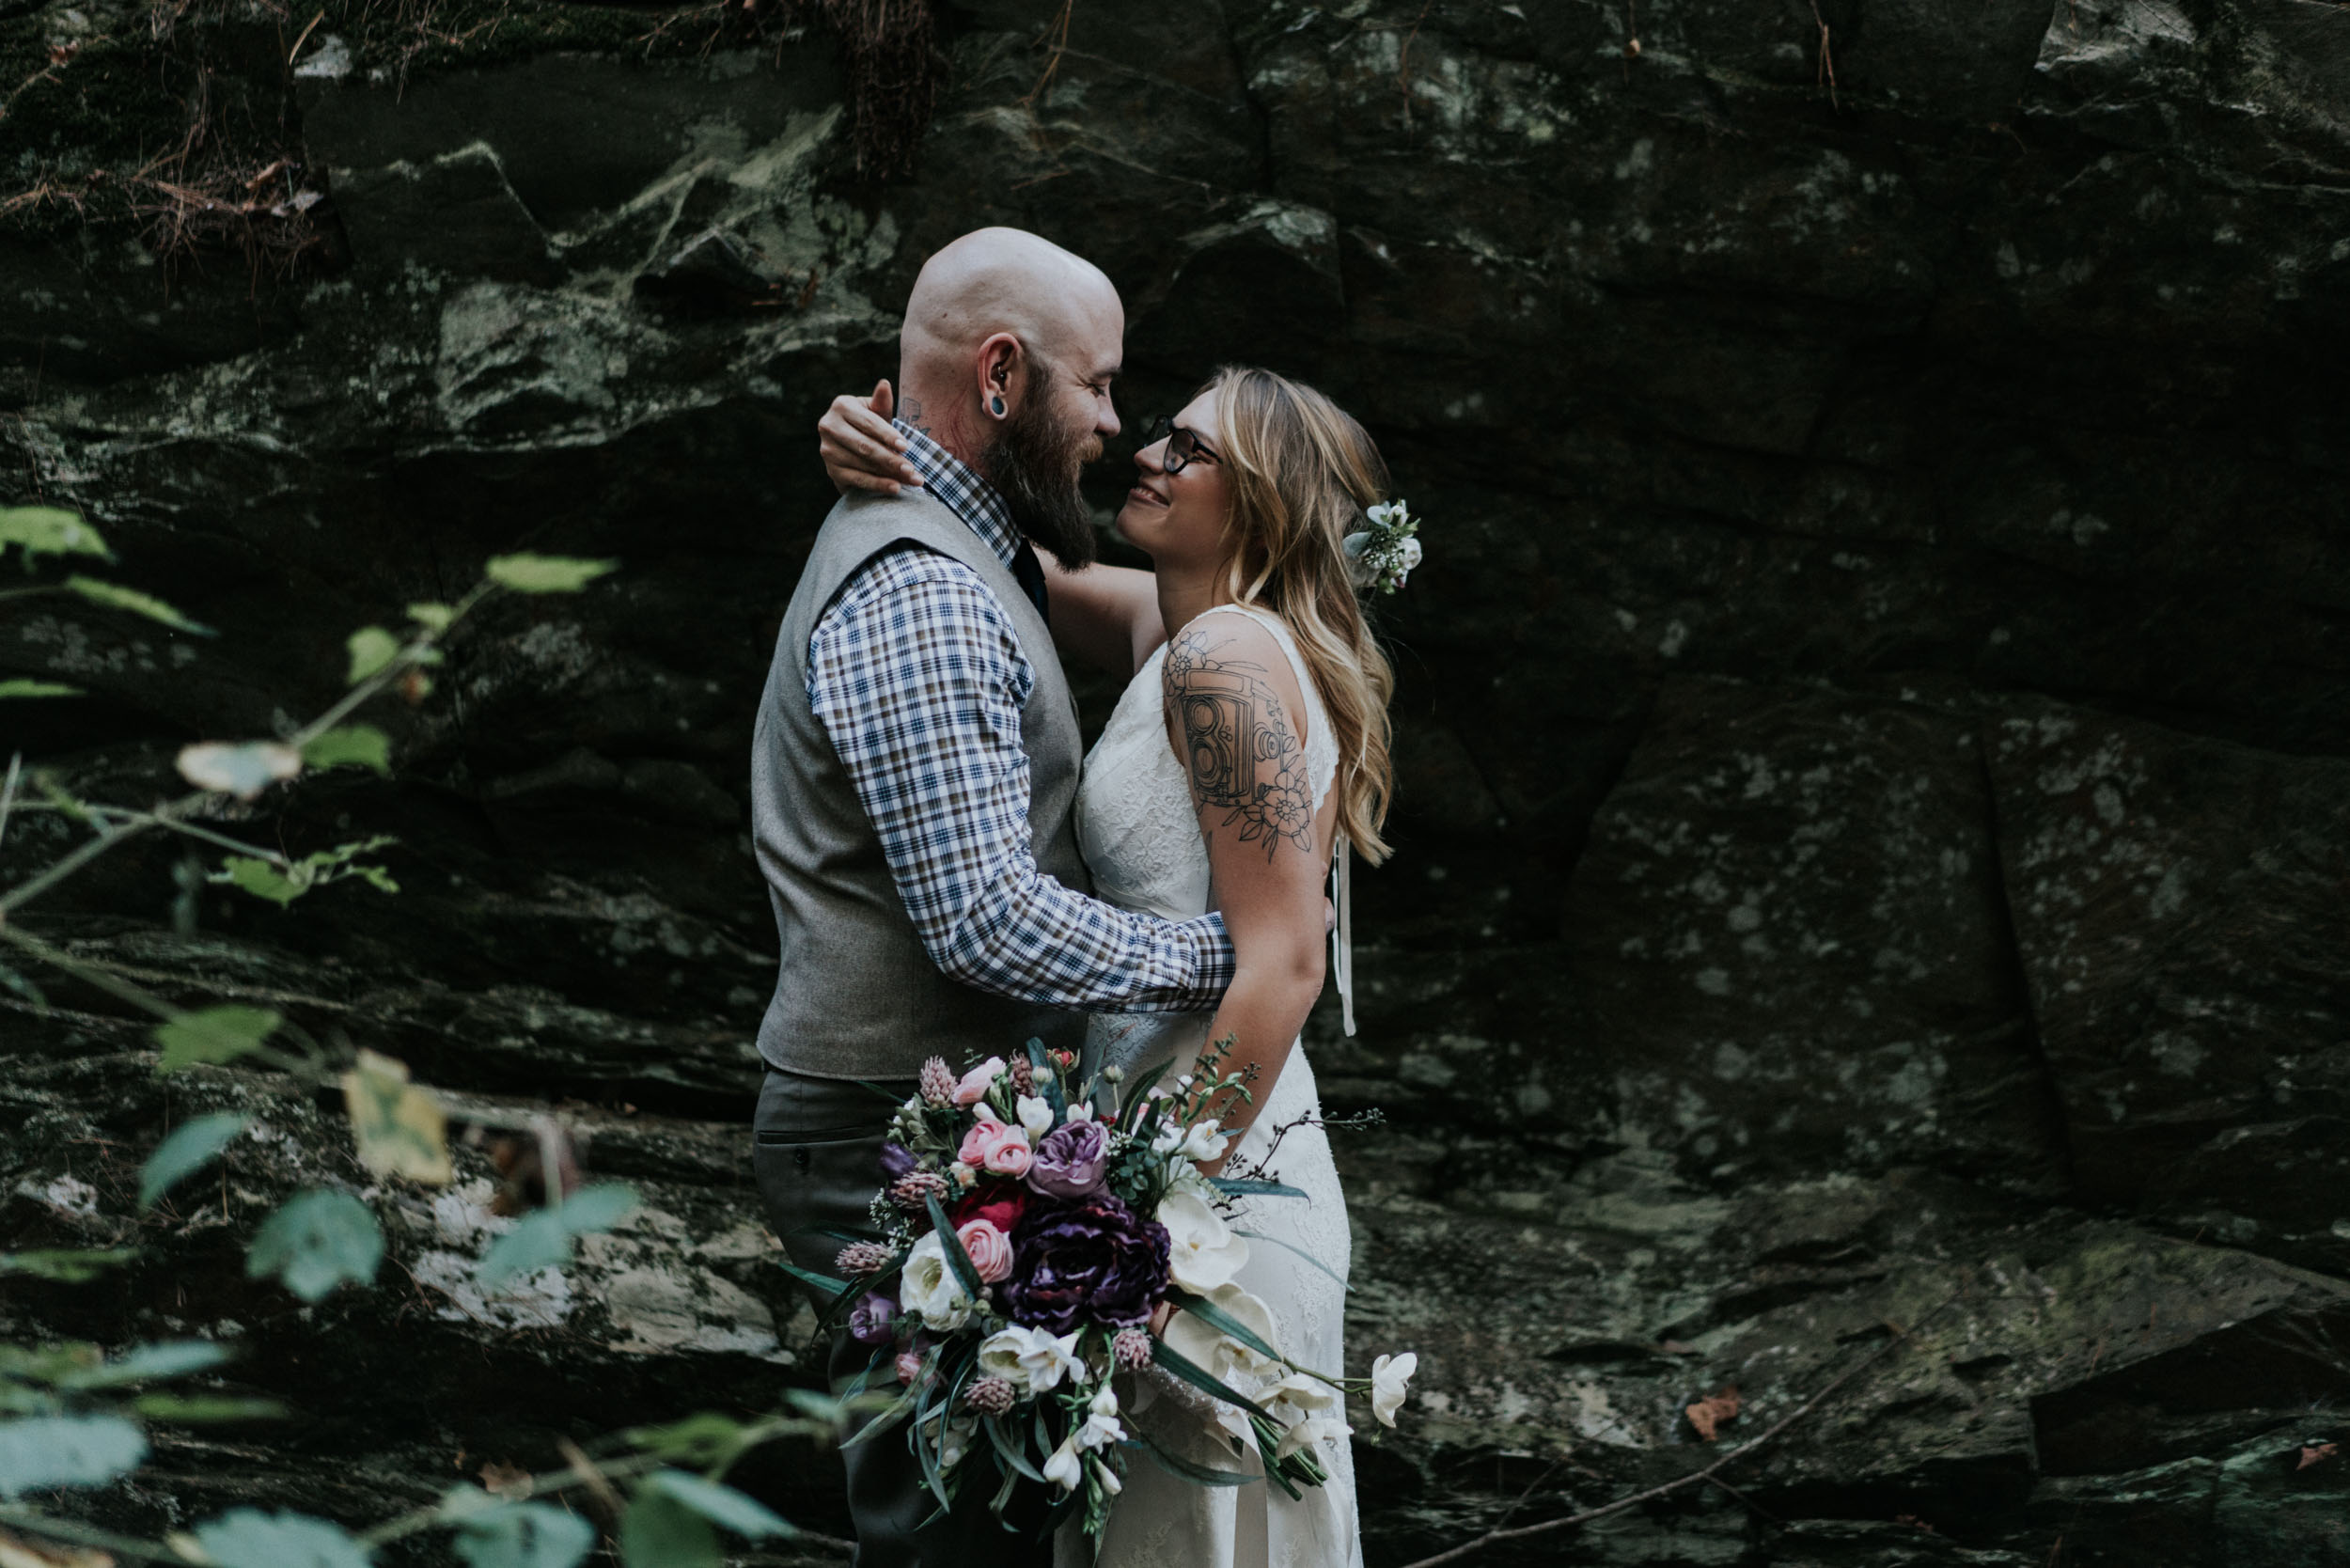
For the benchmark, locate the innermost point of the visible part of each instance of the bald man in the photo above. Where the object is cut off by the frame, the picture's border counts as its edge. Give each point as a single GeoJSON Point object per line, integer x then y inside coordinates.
{"type": "Point", "coordinates": [913, 777]}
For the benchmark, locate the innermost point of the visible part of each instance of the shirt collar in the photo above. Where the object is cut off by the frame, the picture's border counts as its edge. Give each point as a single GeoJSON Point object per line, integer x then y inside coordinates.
{"type": "Point", "coordinates": [967, 495]}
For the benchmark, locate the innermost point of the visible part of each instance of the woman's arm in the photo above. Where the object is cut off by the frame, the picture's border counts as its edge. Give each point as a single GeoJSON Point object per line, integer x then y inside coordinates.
{"type": "Point", "coordinates": [1234, 708]}
{"type": "Point", "coordinates": [1108, 616]}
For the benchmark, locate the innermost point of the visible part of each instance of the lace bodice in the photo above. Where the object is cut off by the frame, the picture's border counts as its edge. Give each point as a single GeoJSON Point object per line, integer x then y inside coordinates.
{"type": "Point", "coordinates": [1136, 821]}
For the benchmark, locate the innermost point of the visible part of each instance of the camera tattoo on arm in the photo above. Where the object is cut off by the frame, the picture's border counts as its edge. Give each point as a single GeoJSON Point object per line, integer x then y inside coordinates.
{"type": "Point", "coordinates": [1234, 728]}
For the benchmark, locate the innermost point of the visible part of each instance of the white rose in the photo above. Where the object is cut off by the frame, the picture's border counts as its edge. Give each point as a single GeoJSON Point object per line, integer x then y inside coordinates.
{"type": "Point", "coordinates": [1195, 1341]}
{"type": "Point", "coordinates": [1035, 1116]}
{"type": "Point", "coordinates": [1407, 552]}
{"type": "Point", "coordinates": [929, 1287]}
{"type": "Point", "coordinates": [1202, 1251]}
{"type": "Point", "coordinates": [1390, 1378]}
{"type": "Point", "coordinates": [1030, 1358]}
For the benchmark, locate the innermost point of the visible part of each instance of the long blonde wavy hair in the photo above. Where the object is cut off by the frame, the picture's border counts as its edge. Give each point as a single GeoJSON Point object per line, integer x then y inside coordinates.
{"type": "Point", "coordinates": [1302, 472]}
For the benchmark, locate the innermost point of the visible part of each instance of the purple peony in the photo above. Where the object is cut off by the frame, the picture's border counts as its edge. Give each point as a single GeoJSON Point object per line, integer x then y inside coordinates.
{"type": "Point", "coordinates": [1088, 1257]}
{"type": "Point", "coordinates": [1069, 1161]}
{"type": "Point", "coordinates": [895, 1160]}
{"type": "Point", "coordinates": [873, 1320]}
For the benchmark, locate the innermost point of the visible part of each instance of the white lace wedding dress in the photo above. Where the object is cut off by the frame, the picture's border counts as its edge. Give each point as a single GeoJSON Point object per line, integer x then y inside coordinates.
{"type": "Point", "coordinates": [1140, 833]}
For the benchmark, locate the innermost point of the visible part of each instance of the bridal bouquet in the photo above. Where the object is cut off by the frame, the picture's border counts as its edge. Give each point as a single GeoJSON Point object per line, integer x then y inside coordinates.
{"type": "Point", "coordinates": [1023, 1241]}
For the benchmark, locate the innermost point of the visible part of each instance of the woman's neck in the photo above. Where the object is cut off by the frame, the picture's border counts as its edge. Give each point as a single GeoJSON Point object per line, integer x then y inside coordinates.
{"type": "Point", "coordinates": [1185, 594]}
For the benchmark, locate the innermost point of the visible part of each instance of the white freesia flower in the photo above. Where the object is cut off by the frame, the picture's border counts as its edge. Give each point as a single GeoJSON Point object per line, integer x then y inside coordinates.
{"type": "Point", "coordinates": [1390, 1376]}
{"type": "Point", "coordinates": [1192, 1338]}
{"type": "Point", "coordinates": [1107, 1478]}
{"type": "Point", "coordinates": [1198, 1141]}
{"type": "Point", "coordinates": [1065, 1469]}
{"type": "Point", "coordinates": [1202, 1251]}
{"type": "Point", "coordinates": [1079, 1111]}
{"type": "Point", "coordinates": [1031, 1357]}
{"type": "Point", "coordinates": [929, 1287]}
{"type": "Point", "coordinates": [1036, 1115]}
{"type": "Point", "coordinates": [1100, 1428]}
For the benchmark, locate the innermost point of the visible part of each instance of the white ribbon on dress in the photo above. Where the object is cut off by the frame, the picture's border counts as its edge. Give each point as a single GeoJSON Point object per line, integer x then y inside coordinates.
{"type": "Point", "coordinates": [1342, 931]}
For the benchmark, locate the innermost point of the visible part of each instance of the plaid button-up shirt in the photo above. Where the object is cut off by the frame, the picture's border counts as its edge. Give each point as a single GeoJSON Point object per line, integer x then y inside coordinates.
{"type": "Point", "coordinates": [918, 678]}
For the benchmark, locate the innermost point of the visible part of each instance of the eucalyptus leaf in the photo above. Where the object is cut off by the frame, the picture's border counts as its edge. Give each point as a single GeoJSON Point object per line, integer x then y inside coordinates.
{"type": "Point", "coordinates": [526, 574]}
{"type": "Point", "coordinates": [1235, 1187]}
{"type": "Point", "coordinates": [370, 648]}
{"type": "Point", "coordinates": [351, 745]}
{"type": "Point", "coordinates": [114, 596]}
{"type": "Point", "coordinates": [722, 1505]}
{"type": "Point", "coordinates": [432, 617]}
{"type": "Point", "coordinates": [248, 1538]}
{"type": "Point", "coordinates": [214, 1034]}
{"type": "Point", "coordinates": [191, 1146]}
{"type": "Point", "coordinates": [319, 1240]}
{"type": "Point", "coordinates": [151, 1363]}
{"type": "Point", "coordinates": [49, 531]}
{"type": "Point", "coordinates": [66, 1450]}
{"type": "Point", "coordinates": [658, 1531]}
{"type": "Point", "coordinates": [524, 1535]}
{"type": "Point", "coordinates": [37, 688]}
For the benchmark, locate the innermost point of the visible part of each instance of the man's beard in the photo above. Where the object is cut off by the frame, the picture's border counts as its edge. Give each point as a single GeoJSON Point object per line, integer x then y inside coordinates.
{"type": "Point", "coordinates": [1033, 463]}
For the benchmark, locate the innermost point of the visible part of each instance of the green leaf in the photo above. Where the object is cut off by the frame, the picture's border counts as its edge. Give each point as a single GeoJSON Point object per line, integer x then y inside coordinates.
{"type": "Point", "coordinates": [1014, 1460]}
{"type": "Point", "coordinates": [524, 1535]}
{"type": "Point", "coordinates": [214, 1034]}
{"type": "Point", "coordinates": [316, 1242]}
{"type": "Point", "coordinates": [351, 745]}
{"type": "Point", "coordinates": [68, 1266]}
{"type": "Point", "coordinates": [149, 1364]}
{"type": "Point", "coordinates": [1235, 1187]}
{"type": "Point", "coordinates": [823, 1283]}
{"type": "Point", "coordinates": [66, 1450]}
{"type": "Point", "coordinates": [658, 1531]}
{"type": "Point", "coordinates": [248, 1538]}
{"type": "Point", "coordinates": [545, 574]}
{"type": "Point", "coordinates": [115, 597]}
{"type": "Point", "coordinates": [260, 879]}
{"type": "Point", "coordinates": [957, 1259]}
{"type": "Point", "coordinates": [191, 1146]}
{"type": "Point", "coordinates": [1199, 1377]}
{"type": "Point", "coordinates": [206, 1409]}
{"type": "Point", "coordinates": [371, 647]}
{"type": "Point", "coordinates": [703, 1439]}
{"type": "Point", "coordinates": [432, 617]}
{"type": "Point", "coordinates": [50, 532]}
{"type": "Point", "coordinates": [543, 1239]}
{"type": "Point", "coordinates": [37, 688]}
{"type": "Point", "coordinates": [1203, 1474]}
{"type": "Point", "coordinates": [722, 1505]}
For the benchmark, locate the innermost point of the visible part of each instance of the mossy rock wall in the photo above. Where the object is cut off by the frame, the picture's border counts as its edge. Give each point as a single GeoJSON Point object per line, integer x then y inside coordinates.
{"type": "Point", "coordinates": [1873, 732]}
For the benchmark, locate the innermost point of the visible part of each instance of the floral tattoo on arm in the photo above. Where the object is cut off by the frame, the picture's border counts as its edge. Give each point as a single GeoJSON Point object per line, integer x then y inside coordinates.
{"type": "Point", "coordinates": [1234, 725]}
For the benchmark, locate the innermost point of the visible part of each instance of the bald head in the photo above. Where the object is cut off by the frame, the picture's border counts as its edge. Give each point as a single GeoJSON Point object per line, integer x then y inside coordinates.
{"type": "Point", "coordinates": [1008, 280]}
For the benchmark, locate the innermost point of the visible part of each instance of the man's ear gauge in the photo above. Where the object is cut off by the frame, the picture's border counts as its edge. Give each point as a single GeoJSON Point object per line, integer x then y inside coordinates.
{"type": "Point", "coordinates": [996, 406]}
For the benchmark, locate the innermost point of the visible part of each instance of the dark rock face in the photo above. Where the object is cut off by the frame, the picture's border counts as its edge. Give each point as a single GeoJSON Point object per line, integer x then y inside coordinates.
{"type": "Point", "coordinates": [1871, 749]}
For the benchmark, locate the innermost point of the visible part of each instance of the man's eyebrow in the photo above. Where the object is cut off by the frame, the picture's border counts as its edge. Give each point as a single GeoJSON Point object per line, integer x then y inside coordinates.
{"type": "Point", "coordinates": [1111, 372]}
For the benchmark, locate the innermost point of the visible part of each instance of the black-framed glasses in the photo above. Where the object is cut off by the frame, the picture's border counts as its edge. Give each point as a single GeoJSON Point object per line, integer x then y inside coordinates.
{"type": "Point", "coordinates": [1183, 446]}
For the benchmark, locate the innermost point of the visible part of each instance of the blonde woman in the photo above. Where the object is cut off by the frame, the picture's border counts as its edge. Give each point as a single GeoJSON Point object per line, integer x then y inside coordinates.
{"type": "Point", "coordinates": [1252, 742]}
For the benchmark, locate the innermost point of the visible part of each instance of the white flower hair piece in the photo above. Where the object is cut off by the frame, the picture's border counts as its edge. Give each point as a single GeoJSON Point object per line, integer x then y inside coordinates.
{"type": "Point", "coordinates": [1380, 557]}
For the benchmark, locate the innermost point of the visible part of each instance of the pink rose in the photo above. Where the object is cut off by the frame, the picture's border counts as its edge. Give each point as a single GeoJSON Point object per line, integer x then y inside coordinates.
{"type": "Point", "coordinates": [975, 1083]}
{"type": "Point", "coordinates": [908, 1365]}
{"type": "Point", "coordinates": [996, 1145]}
{"type": "Point", "coordinates": [989, 1250]}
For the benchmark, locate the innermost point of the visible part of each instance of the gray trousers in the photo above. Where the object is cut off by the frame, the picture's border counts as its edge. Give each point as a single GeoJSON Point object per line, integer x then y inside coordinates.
{"type": "Point", "coordinates": [816, 1151]}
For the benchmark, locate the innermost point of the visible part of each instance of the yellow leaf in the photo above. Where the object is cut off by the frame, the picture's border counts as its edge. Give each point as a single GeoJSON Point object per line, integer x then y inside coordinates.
{"type": "Point", "coordinates": [399, 1126]}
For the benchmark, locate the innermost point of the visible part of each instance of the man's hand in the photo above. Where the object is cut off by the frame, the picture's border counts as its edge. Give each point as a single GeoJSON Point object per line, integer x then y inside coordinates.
{"type": "Point", "coordinates": [861, 448]}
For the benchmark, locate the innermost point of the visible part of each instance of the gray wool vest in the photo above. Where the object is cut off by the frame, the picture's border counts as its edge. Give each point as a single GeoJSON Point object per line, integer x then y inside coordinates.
{"type": "Point", "coordinates": [856, 995]}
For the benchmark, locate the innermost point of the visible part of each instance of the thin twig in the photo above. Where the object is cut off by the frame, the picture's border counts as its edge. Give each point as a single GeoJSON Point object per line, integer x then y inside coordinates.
{"type": "Point", "coordinates": [7, 790]}
{"type": "Point", "coordinates": [1492, 1537]}
{"type": "Point", "coordinates": [1827, 60]}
